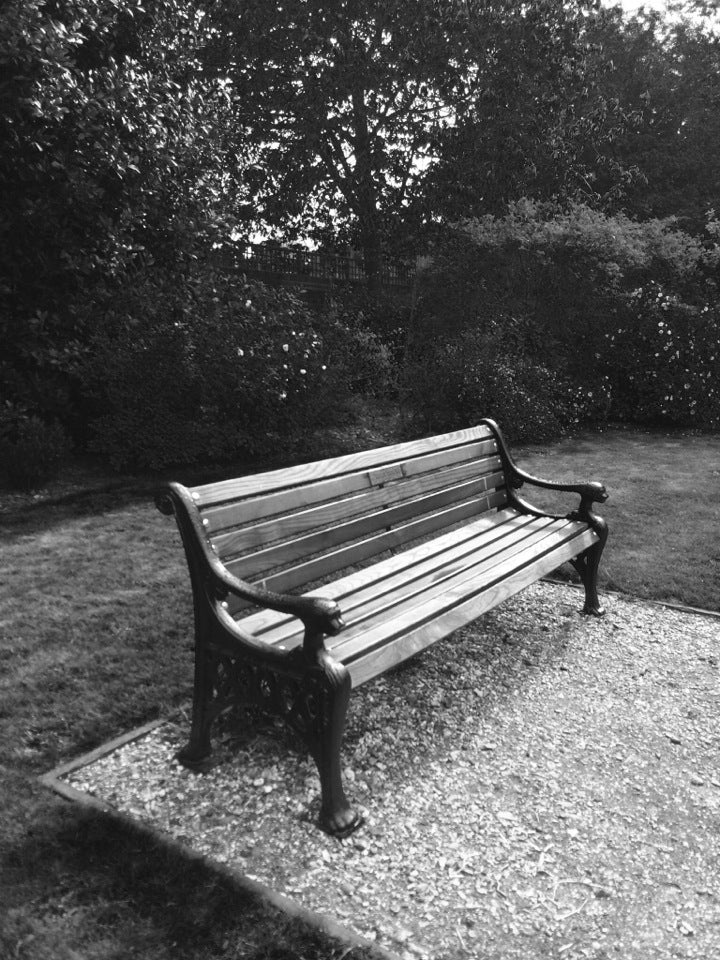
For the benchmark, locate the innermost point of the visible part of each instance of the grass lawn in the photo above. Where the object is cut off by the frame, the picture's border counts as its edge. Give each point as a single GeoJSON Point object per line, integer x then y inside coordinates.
{"type": "Point", "coordinates": [95, 619]}
{"type": "Point", "coordinates": [663, 511]}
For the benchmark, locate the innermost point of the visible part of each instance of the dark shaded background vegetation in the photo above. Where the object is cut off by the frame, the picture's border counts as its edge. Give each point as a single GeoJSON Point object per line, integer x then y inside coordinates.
{"type": "Point", "coordinates": [551, 166]}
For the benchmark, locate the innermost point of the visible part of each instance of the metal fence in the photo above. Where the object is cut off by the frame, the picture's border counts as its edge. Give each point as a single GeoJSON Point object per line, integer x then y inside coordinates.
{"type": "Point", "coordinates": [315, 266]}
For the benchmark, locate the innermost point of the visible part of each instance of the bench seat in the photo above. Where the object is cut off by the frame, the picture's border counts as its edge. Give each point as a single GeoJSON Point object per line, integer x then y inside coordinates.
{"type": "Point", "coordinates": [398, 606]}
{"type": "Point", "coordinates": [313, 579]}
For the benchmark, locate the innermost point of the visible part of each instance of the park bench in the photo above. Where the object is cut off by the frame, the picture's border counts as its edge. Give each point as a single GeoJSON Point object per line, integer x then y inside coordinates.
{"type": "Point", "coordinates": [390, 549]}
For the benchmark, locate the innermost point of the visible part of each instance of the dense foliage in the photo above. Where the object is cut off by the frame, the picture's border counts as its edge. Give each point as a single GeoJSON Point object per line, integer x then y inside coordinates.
{"type": "Point", "coordinates": [624, 311]}
{"type": "Point", "coordinates": [483, 372]}
{"type": "Point", "coordinates": [372, 118]}
{"type": "Point", "coordinates": [138, 137]}
{"type": "Point", "coordinates": [662, 357]}
{"type": "Point", "coordinates": [666, 76]}
{"type": "Point", "coordinates": [209, 368]}
{"type": "Point", "coordinates": [114, 156]}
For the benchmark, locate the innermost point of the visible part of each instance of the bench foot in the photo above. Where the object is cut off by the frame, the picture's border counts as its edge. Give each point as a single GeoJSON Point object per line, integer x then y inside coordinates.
{"type": "Point", "coordinates": [197, 762]}
{"type": "Point", "coordinates": [342, 824]}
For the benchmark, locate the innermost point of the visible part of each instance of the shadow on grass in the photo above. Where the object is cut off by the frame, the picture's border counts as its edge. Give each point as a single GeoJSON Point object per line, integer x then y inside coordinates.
{"type": "Point", "coordinates": [106, 889]}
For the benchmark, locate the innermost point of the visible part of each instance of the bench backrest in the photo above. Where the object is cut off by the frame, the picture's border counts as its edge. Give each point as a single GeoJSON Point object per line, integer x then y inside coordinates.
{"type": "Point", "coordinates": [291, 527]}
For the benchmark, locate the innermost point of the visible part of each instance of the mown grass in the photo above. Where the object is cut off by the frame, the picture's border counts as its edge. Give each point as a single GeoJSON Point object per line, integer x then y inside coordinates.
{"type": "Point", "coordinates": [95, 617]}
{"type": "Point", "coordinates": [663, 510]}
{"type": "Point", "coordinates": [95, 622]}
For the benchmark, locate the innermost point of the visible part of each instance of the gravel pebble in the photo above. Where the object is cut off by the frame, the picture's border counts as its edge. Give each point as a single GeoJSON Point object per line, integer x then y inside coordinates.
{"type": "Point", "coordinates": [541, 783]}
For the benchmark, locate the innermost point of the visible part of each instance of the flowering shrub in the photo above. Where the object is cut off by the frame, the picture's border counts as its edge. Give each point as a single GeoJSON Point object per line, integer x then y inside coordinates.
{"type": "Point", "coordinates": [205, 367]}
{"type": "Point", "coordinates": [476, 376]}
{"type": "Point", "coordinates": [623, 308]}
{"type": "Point", "coordinates": [662, 360]}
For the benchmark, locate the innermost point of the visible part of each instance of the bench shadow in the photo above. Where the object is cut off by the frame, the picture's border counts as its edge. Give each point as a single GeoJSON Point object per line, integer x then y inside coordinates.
{"type": "Point", "coordinates": [111, 883]}
{"type": "Point", "coordinates": [416, 712]}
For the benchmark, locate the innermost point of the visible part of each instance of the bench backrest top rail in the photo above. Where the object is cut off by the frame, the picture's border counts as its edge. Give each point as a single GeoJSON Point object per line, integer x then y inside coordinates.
{"type": "Point", "coordinates": [230, 516]}
{"type": "Point", "coordinates": [273, 480]}
{"type": "Point", "coordinates": [376, 507]}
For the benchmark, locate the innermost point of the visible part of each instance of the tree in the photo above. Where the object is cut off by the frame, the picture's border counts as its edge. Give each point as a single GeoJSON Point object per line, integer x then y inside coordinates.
{"type": "Point", "coordinates": [666, 72]}
{"type": "Point", "coordinates": [540, 123]}
{"type": "Point", "coordinates": [352, 103]}
{"type": "Point", "coordinates": [344, 101]}
{"type": "Point", "coordinates": [114, 154]}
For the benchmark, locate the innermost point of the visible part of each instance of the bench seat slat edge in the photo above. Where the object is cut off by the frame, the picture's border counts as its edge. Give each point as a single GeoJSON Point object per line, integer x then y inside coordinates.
{"type": "Point", "coordinates": [422, 635]}
{"type": "Point", "coordinates": [475, 577]}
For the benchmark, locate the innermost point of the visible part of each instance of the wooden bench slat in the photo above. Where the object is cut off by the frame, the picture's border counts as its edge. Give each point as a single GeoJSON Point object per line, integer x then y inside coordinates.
{"type": "Point", "coordinates": [336, 560]}
{"type": "Point", "coordinates": [228, 516]}
{"type": "Point", "coordinates": [361, 594]}
{"type": "Point", "coordinates": [309, 544]}
{"type": "Point", "coordinates": [423, 634]}
{"type": "Point", "coordinates": [446, 544]}
{"type": "Point", "coordinates": [368, 577]}
{"type": "Point", "coordinates": [214, 493]}
{"type": "Point", "coordinates": [289, 527]}
{"type": "Point", "coordinates": [493, 525]}
{"type": "Point", "coordinates": [447, 591]}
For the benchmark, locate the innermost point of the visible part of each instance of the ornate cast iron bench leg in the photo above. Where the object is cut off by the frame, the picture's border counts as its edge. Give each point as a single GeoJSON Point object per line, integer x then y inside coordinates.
{"type": "Point", "coordinates": [315, 708]}
{"type": "Point", "coordinates": [336, 815]}
{"type": "Point", "coordinates": [587, 566]}
{"type": "Point", "coordinates": [325, 709]}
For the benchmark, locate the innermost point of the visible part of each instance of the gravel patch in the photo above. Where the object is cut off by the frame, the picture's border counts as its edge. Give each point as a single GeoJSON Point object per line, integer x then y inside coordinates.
{"type": "Point", "coordinates": [542, 784]}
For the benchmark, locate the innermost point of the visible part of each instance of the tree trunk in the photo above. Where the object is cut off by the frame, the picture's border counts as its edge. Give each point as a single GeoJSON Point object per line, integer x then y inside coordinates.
{"type": "Point", "coordinates": [365, 193]}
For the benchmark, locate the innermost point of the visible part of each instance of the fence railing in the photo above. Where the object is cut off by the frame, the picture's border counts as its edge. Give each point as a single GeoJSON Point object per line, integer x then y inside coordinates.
{"type": "Point", "coordinates": [315, 266]}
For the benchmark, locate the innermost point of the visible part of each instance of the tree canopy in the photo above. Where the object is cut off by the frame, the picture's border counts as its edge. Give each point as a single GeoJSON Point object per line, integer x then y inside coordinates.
{"type": "Point", "coordinates": [666, 74]}
{"type": "Point", "coordinates": [138, 136]}
{"type": "Point", "coordinates": [115, 151]}
{"type": "Point", "coordinates": [377, 117]}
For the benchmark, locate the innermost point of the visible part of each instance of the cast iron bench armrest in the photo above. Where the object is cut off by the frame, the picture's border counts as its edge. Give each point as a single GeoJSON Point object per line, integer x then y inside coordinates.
{"type": "Point", "coordinates": [319, 615]}
{"type": "Point", "coordinates": [589, 491]}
